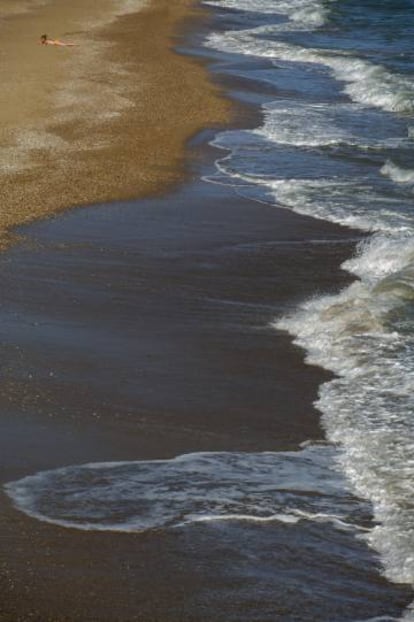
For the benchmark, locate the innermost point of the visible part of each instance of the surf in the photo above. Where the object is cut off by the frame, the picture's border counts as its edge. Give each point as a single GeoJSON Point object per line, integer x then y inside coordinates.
{"type": "Point", "coordinates": [339, 158]}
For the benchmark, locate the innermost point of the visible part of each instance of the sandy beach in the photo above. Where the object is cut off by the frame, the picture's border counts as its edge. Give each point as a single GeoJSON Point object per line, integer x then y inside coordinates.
{"type": "Point", "coordinates": [106, 119]}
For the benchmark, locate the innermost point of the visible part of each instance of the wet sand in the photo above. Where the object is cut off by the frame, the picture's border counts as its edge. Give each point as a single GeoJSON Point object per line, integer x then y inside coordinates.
{"type": "Point", "coordinates": [107, 119]}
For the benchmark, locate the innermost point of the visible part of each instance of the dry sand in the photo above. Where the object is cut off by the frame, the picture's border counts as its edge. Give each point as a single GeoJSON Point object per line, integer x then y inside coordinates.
{"type": "Point", "coordinates": [105, 120]}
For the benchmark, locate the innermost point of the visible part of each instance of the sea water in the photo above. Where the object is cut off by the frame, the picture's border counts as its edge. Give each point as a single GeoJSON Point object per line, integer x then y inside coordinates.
{"type": "Point", "coordinates": [336, 143]}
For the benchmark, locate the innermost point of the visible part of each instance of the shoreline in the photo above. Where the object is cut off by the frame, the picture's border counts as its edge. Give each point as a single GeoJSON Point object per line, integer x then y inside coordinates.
{"type": "Point", "coordinates": [57, 153]}
{"type": "Point", "coordinates": [149, 376]}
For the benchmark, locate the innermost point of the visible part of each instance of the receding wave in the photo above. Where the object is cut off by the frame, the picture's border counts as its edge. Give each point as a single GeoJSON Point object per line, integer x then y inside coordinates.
{"type": "Point", "coordinates": [136, 496]}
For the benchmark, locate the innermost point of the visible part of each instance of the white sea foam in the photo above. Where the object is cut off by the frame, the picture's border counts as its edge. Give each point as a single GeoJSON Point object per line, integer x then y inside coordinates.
{"type": "Point", "coordinates": [366, 82]}
{"type": "Point", "coordinates": [346, 202]}
{"type": "Point", "coordinates": [398, 174]}
{"type": "Point", "coordinates": [343, 201]}
{"type": "Point", "coordinates": [262, 6]}
{"type": "Point", "coordinates": [305, 124]}
{"type": "Point", "coordinates": [284, 487]}
{"type": "Point", "coordinates": [307, 14]}
{"type": "Point", "coordinates": [359, 335]}
{"type": "Point", "coordinates": [208, 518]}
{"type": "Point", "coordinates": [349, 200]}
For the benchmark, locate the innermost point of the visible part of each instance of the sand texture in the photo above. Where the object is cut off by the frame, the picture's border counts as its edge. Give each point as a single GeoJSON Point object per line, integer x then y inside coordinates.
{"type": "Point", "coordinates": [105, 120]}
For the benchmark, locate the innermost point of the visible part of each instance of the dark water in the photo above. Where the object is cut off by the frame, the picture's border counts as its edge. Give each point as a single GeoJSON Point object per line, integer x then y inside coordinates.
{"type": "Point", "coordinates": [183, 313]}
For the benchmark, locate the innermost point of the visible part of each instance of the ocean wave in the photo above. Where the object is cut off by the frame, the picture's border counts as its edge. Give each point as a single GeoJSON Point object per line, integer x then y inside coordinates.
{"type": "Point", "coordinates": [364, 335]}
{"type": "Point", "coordinates": [347, 202]}
{"type": "Point", "coordinates": [309, 13]}
{"type": "Point", "coordinates": [305, 124]}
{"type": "Point", "coordinates": [366, 82]}
{"type": "Point", "coordinates": [284, 487]}
{"type": "Point", "coordinates": [398, 174]}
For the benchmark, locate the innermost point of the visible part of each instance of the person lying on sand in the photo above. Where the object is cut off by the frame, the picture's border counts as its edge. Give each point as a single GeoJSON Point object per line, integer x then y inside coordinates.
{"type": "Point", "coordinates": [44, 40]}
